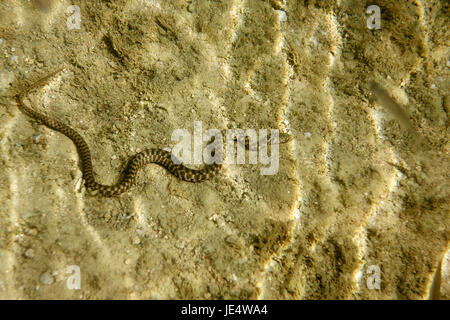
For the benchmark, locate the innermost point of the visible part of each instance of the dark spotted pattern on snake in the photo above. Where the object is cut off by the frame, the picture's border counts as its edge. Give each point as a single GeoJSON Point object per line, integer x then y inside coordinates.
{"type": "Point", "coordinates": [138, 161]}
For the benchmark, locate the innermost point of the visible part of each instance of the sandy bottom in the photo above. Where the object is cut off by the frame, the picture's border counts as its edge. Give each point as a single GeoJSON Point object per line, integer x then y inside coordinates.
{"type": "Point", "coordinates": [357, 210]}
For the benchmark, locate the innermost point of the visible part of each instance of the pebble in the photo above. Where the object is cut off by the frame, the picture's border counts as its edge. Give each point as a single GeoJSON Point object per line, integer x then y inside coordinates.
{"type": "Point", "coordinates": [29, 253]}
{"type": "Point", "coordinates": [282, 15]}
{"type": "Point", "coordinates": [37, 138]}
{"type": "Point", "coordinates": [78, 185]}
{"type": "Point", "coordinates": [46, 278]}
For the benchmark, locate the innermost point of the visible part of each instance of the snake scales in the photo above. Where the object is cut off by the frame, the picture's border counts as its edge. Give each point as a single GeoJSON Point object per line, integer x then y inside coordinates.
{"type": "Point", "coordinates": [138, 161]}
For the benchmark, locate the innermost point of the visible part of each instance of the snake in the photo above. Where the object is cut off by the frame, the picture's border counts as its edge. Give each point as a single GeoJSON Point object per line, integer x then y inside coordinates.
{"type": "Point", "coordinates": [157, 156]}
{"type": "Point", "coordinates": [127, 179]}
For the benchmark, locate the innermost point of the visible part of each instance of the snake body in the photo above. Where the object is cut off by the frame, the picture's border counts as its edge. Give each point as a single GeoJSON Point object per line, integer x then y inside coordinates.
{"type": "Point", "coordinates": [138, 161]}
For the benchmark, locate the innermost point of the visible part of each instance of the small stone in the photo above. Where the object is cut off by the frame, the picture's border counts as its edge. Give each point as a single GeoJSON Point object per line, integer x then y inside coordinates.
{"type": "Point", "coordinates": [76, 174]}
{"type": "Point", "coordinates": [29, 253]}
{"type": "Point", "coordinates": [78, 185]}
{"type": "Point", "coordinates": [37, 138]}
{"type": "Point", "coordinates": [46, 278]}
{"type": "Point", "coordinates": [282, 15]}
